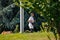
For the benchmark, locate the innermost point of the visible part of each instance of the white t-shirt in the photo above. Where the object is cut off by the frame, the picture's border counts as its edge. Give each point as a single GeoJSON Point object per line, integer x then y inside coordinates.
{"type": "Point", "coordinates": [30, 23]}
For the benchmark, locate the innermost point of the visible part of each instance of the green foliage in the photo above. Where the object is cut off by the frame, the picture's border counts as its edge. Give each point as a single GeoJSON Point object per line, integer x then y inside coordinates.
{"type": "Point", "coordinates": [46, 7]}
{"type": "Point", "coordinates": [49, 9]}
{"type": "Point", "coordinates": [9, 15]}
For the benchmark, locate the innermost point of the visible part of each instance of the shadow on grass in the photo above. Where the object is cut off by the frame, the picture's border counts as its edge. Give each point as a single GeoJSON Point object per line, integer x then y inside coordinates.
{"type": "Point", "coordinates": [54, 35]}
{"type": "Point", "coordinates": [48, 37]}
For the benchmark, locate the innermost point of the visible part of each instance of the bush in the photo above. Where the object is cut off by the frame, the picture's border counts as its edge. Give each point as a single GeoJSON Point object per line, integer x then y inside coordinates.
{"type": "Point", "coordinates": [16, 29]}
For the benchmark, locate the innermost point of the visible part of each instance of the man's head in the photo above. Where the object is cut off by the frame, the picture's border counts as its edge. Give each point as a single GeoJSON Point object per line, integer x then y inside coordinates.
{"type": "Point", "coordinates": [32, 14]}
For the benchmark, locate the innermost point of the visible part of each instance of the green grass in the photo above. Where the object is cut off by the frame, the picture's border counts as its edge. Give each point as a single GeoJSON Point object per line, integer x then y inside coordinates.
{"type": "Point", "coordinates": [28, 36]}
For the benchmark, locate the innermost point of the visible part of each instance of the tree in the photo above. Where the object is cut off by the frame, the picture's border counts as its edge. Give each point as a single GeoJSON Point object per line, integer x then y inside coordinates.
{"type": "Point", "coordinates": [8, 15]}
{"type": "Point", "coordinates": [50, 9]}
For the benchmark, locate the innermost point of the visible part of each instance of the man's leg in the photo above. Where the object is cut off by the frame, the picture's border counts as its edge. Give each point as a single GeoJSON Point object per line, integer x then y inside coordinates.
{"type": "Point", "coordinates": [31, 29]}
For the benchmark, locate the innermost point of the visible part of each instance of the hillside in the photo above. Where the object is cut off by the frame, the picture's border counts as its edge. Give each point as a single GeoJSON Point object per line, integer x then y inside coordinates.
{"type": "Point", "coordinates": [28, 36]}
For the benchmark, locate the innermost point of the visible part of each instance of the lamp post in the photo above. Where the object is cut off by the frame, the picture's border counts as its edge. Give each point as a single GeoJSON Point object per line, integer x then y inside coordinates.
{"type": "Point", "coordinates": [21, 19]}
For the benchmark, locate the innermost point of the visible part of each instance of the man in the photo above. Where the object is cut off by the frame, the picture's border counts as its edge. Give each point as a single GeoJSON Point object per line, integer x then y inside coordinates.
{"type": "Point", "coordinates": [31, 22]}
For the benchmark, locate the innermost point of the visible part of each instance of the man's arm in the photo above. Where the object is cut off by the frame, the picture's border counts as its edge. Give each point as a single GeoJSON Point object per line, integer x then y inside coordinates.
{"type": "Point", "coordinates": [29, 20]}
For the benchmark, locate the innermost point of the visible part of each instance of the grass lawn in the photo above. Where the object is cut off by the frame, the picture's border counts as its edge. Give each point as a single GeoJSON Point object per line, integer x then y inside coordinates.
{"type": "Point", "coordinates": [28, 36]}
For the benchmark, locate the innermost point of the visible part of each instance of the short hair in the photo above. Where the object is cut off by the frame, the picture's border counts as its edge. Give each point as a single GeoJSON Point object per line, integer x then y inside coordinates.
{"type": "Point", "coordinates": [33, 12]}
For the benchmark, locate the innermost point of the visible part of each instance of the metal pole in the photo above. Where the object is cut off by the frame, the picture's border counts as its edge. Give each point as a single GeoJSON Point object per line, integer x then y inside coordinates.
{"type": "Point", "coordinates": [21, 19]}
